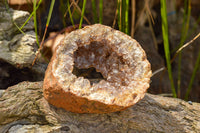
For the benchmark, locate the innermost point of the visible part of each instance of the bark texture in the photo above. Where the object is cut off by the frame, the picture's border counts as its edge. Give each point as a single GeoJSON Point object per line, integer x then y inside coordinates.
{"type": "Point", "coordinates": [23, 108]}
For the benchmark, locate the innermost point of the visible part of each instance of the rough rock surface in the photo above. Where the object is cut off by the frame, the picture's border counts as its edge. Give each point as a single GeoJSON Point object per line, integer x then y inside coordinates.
{"type": "Point", "coordinates": [17, 49]}
{"type": "Point", "coordinates": [119, 58]}
{"type": "Point", "coordinates": [23, 108]}
{"type": "Point", "coordinates": [20, 50]}
{"type": "Point", "coordinates": [10, 19]}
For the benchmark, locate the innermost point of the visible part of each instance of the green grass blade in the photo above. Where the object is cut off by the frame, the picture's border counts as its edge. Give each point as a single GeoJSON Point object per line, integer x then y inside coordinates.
{"type": "Point", "coordinates": [82, 13]}
{"type": "Point", "coordinates": [166, 43]}
{"type": "Point", "coordinates": [94, 11]}
{"type": "Point", "coordinates": [31, 15]}
{"type": "Point", "coordinates": [35, 21]}
{"type": "Point", "coordinates": [193, 77]}
{"type": "Point", "coordinates": [50, 12]}
{"type": "Point", "coordinates": [126, 17]}
{"type": "Point", "coordinates": [119, 14]}
{"type": "Point", "coordinates": [45, 31]}
{"type": "Point", "coordinates": [185, 27]}
{"type": "Point", "coordinates": [101, 11]}
{"type": "Point", "coordinates": [123, 15]}
{"type": "Point", "coordinates": [70, 14]}
{"type": "Point", "coordinates": [122, 11]}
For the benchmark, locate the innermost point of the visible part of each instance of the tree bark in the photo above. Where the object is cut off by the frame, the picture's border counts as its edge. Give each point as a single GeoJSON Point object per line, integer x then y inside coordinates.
{"type": "Point", "coordinates": [23, 108]}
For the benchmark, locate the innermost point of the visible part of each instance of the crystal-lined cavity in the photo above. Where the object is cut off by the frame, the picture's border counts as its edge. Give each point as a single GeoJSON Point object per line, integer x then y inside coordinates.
{"type": "Point", "coordinates": [120, 60]}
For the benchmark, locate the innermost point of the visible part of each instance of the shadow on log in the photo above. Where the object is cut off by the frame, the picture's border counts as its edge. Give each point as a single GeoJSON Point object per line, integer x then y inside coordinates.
{"type": "Point", "coordinates": [23, 108]}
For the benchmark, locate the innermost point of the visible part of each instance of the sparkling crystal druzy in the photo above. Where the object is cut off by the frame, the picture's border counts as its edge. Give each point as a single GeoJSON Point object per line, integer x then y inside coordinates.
{"type": "Point", "coordinates": [119, 58]}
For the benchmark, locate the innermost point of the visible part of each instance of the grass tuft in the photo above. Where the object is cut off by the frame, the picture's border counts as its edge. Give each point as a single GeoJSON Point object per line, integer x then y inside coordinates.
{"type": "Point", "coordinates": [166, 43]}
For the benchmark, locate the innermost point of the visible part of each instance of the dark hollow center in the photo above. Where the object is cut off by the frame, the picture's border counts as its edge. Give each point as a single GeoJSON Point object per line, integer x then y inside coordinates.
{"type": "Point", "coordinates": [89, 73]}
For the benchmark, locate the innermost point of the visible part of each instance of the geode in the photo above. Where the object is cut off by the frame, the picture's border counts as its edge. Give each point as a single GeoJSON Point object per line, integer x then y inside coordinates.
{"type": "Point", "coordinates": [120, 59]}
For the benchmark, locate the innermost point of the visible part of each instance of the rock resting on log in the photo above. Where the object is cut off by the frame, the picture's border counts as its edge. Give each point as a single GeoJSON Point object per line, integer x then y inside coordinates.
{"type": "Point", "coordinates": [23, 108]}
{"type": "Point", "coordinates": [116, 56]}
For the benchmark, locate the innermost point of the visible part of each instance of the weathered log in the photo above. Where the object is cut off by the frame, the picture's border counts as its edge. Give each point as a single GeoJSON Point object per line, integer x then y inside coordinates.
{"type": "Point", "coordinates": [23, 108]}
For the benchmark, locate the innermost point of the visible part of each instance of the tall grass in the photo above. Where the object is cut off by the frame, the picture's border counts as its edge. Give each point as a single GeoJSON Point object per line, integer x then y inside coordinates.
{"type": "Point", "coordinates": [126, 17]}
{"type": "Point", "coordinates": [193, 77]}
{"type": "Point", "coordinates": [47, 24]}
{"type": "Point", "coordinates": [94, 11]}
{"type": "Point", "coordinates": [184, 32]}
{"type": "Point", "coordinates": [166, 43]}
{"type": "Point", "coordinates": [70, 14]}
{"type": "Point", "coordinates": [123, 24]}
{"type": "Point", "coordinates": [196, 67]}
{"type": "Point", "coordinates": [82, 14]}
{"type": "Point", "coordinates": [123, 15]}
{"type": "Point", "coordinates": [119, 14]}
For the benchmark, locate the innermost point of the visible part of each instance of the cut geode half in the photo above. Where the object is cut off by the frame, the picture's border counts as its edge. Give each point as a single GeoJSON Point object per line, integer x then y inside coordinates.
{"type": "Point", "coordinates": [119, 58]}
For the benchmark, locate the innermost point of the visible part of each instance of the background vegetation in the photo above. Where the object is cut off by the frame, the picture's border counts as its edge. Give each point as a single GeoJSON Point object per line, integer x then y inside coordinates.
{"type": "Point", "coordinates": [126, 19]}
